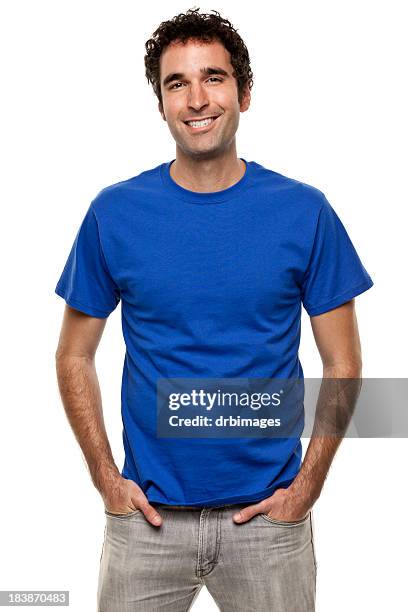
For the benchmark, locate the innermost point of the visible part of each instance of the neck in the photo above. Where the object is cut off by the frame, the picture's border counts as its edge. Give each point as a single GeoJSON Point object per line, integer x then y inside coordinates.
{"type": "Point", "coordinates": [207, 175]}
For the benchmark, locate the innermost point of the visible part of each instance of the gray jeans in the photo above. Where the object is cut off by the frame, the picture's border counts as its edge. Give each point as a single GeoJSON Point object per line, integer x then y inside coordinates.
{"type": "Point", "coordinates": [261, 565]}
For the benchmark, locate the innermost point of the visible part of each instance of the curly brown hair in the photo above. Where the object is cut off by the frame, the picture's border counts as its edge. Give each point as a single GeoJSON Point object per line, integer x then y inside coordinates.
{"type": "Point", "coordinates": [205, 28]}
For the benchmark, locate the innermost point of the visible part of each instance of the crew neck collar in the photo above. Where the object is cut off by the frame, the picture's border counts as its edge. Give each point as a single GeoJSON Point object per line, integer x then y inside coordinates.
{"type": "Point", "coordinates": [207, 197]}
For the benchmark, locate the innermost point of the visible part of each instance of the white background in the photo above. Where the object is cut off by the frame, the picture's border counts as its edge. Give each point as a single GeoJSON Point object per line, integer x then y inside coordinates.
{"type": "Point", "coordinates": [329, 108]}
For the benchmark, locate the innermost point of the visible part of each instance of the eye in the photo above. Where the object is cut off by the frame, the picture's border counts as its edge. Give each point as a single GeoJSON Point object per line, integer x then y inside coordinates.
{"type": "Point", "coordinates": [179, 83]}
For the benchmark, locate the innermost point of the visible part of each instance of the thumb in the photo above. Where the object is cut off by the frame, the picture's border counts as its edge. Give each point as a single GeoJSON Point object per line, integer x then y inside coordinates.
{"type": "Point", "coordinates": [247, 513]}
{"type": "Point", "coordinates": [151, 513]}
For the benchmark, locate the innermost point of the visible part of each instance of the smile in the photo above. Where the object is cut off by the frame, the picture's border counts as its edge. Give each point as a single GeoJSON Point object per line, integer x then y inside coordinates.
{"type": "Point", "coordinates": [200, 124]}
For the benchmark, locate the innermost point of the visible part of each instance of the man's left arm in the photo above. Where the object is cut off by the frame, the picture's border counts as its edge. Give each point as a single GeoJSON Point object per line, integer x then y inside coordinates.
{"type": "Point", "coordinates": [337, 339]}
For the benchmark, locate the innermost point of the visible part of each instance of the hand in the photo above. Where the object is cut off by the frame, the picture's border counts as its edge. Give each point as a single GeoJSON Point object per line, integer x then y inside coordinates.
{"type": "Point", "coordinates": [122, 496]}
{"type": "Point", "coordinates": [283, 505]}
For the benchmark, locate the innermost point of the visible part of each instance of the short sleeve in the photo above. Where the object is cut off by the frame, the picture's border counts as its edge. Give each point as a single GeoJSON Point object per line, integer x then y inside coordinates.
{"type": "Point", "coordinates": [335, 273]}
{"type": "Point", "coordinates": [85, 282]}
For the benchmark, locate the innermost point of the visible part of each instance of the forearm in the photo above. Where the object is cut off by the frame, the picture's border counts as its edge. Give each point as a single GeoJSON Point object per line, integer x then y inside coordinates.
{"type": "Point", "coordinates": [80, 393]}
{"type": "Point", "coordinates": [335, 406]}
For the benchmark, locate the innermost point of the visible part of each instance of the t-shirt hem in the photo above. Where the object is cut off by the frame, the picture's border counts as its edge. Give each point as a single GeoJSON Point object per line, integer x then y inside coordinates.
{"type": "Point", "coordinates": [339, 299]}
{"type": "Point", "coordinates": [237, 499]}
{"type": "Point", "coordinates": [90, 310]}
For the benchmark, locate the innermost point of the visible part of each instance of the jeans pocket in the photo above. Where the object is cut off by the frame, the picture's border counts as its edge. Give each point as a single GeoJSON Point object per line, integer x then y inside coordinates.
{"type": "Point", "coordinates": [122, 516]}
{"type": "Point", "coordinates": [273, 521]}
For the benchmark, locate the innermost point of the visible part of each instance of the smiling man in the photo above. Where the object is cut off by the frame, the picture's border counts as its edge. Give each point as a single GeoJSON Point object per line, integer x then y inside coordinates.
{"type": "Point", "coordinates": [212, 257]}
{"type": "Point", "coordinates": [202, 106]}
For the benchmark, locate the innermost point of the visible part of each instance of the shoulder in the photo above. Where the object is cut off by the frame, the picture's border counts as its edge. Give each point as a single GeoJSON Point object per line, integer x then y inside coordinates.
{"type": "Point", "coordinates": [301, 195]}
{"type": "Point", "coordinates": [122, 193]}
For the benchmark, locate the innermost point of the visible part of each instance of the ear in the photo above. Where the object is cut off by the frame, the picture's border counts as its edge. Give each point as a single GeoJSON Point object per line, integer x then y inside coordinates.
{"type": "Point", "coordinates": [246, 99]}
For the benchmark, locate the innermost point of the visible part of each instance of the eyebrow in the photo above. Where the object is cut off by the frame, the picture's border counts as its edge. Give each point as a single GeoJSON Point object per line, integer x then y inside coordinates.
{"type": "Point", "coordinates": [208, 70]}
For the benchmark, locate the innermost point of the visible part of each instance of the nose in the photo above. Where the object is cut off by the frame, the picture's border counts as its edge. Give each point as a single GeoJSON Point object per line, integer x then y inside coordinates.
{"type": "Point", "coordinates": [197, 97]}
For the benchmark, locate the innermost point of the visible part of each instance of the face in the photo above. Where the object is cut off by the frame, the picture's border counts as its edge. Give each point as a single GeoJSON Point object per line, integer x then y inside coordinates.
{"type": "Point", "coordinates": [197, 83]}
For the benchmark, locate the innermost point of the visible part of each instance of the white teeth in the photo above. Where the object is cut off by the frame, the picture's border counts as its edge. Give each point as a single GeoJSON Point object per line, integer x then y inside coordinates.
{"type": "Point", "coordinates": [203, 123]}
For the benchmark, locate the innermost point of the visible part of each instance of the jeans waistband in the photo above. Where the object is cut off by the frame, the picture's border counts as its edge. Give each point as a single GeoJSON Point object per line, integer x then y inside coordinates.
{"type": "Point", "coordinates": [180, 507]}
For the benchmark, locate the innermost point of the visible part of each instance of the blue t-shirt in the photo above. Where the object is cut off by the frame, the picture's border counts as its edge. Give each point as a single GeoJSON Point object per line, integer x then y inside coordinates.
{"type": "Point", "coordinates": [211, 286]}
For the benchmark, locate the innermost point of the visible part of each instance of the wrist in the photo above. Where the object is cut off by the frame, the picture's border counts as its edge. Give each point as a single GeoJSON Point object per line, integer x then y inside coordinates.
{"type": "Point", "coordinates": [105, 476]}
{"type": "Point", "coordinates": [304, 494]}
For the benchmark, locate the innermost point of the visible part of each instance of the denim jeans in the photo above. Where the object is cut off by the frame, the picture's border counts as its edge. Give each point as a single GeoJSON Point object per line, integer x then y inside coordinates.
{"type": "Point", "coordinates": [262, 565]}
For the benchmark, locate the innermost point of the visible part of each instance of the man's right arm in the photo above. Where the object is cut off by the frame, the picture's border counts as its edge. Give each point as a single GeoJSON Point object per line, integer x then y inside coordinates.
{"type": "Point", "coordinates": [80, 393]}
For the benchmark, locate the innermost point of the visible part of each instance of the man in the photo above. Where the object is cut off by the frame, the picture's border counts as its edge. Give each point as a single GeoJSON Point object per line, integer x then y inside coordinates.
{"type": "Point", "coordinates": [212, 257]}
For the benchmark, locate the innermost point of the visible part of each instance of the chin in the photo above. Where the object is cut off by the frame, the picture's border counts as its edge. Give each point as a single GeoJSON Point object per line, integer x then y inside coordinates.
{"type": "Point", "coordinates": [209, 153]}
